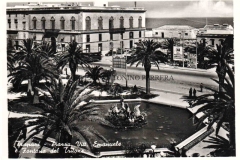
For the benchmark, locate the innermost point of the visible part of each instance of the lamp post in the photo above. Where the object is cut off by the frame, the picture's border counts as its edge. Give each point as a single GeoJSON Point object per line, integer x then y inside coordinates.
{"type": "Point", "coordinates": [153, 147]}
{"type": "Point", "coordinates": [181, 41]}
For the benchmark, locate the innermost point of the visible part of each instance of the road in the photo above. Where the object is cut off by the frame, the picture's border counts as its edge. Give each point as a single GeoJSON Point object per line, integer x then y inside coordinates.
{"type": "Point", "coordinates": [167, 78]}
{"type": "Point", "coordinates": [175, 80]}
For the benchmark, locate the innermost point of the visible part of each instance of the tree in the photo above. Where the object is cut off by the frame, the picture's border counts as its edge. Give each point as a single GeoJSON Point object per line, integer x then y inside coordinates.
{"type": "Point", "coordinates": [221, 56]}
{"type": "Point", "coordinates": [65, 111]}
{"type": "Point", "coordinates": [10, 56]}
{"type": "Point", "coordinates": [94, 72]}
{"type": "Point", "coordinates": [33, 68]}
{"type": "Point", "coordinates": [46, 49]}
{"type": "Point", "coordinates": [168, 44]}
{"type": "Point", "coordinates": [147, 55]}
{"type": "Point", "coordinates": [221, 145]}
{"type": "Point", "coordinates": [219, 107]}
{"type": "Point", "coordinates": [26, 50]}
{"type": "Point", "coordinates": [73, 57]}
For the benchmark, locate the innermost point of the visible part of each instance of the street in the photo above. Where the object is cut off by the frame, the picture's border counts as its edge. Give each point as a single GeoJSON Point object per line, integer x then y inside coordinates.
{"type": "Point", "coordinates": [167, 78]}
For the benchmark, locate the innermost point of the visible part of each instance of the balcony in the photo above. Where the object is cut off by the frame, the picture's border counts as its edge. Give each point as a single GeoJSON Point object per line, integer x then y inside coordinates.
{"type": "Point", "coordinates": [51, 33]}
{"type": "Point", "coordinates": [116, 30]}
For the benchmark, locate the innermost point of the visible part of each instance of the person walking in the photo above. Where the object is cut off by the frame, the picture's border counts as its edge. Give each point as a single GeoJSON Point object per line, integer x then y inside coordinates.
{"type": "Point", "coordinates": [194, 92]}
{"type": "Point", "coordinates": [201, 87]}
{"type": "Point", "coordinates": [190, 93]}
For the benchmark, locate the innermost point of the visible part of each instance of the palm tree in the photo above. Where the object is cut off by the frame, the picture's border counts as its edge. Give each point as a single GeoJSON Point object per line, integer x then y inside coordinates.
{"type": "Point", "coordinates": [73, 56]}
{"type": "Point", "coordinates": [222, 146]}
{"type": "Point", "coordinates": [146, 54]}
{"type": "Point", "coordinates": [33, 68]}
{"type": "Point", "coordinates": [94, 72]}
{"type": "Point", "coordinates": [46, 49]}
{"type": "Point", "coordinates": [219, 107]}
{"type": "Point", "coordinates": [221, 56]}
{"type": "Point", "coordinates": [64, 115]}
{"type": "Point", "coordinates": [27, 49]}
{"type": "Point", "coordinates": [168, 44]}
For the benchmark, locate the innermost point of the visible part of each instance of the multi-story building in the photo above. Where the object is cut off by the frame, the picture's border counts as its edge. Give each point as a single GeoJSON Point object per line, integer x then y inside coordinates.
{"type": "Point", "coordinates": [211, 35]}
{"type": "Point", "coordinates": [175, 31]}
{"type": "Point", "coordinates": [96, 28]}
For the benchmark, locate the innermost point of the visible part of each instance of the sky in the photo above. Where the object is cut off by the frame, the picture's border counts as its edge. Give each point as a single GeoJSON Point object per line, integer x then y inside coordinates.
{"type": "Point", "coordinates": [191, 8]}
{"type": "Point", "coordinates": [174, 8]}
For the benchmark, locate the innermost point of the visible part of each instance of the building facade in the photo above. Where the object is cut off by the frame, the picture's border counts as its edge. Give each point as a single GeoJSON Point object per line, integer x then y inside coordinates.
{"type": "Point", "coordinates": [96, 28]}
{"type": "Point", "coordinates": [211, 35]}
{"type": "Point", "coordinates": [175, 31]}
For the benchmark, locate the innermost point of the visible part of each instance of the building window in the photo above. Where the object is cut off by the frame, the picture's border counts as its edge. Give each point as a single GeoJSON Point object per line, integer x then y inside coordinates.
{"type": "Point", "coordinates": [23, 15]}
{"type": "Point", "coordinates": [43, 20]}
{"type": "Point", "coordinates": [24, 25]}
{"type": "Point", "coordinates": [9, 15]}
{"type": "Point", "coordinates": [186, 34]}
{"type": "Point", "coordinates": [34, 36]}
{"type": "Point", "coordinates": [88, 48]}
{"type": "Point", "coordinates": [9, 23]}
{"type": "Point", "coordinates": [212, 42]}
{"type": "Point", "coordinates": [16, 23]}
{"type": "Point", "coordinates": [111, 36]}
{"type": "Point", "coordinates": [162, 34]}
{"type": "Point", "coordinates": [17, 45]}
{"type": "Point", "coordinates": [88, 38]}
{"type": "Point", "coordinates": [34, 20]}
{"type": "Point", "coordinates": [73, 23]}
{"type": "Point", "coordinates": [111, 45]}
{"type": "Point", "coordinates": [62, 23]}
{"type": "Point", "coordinates": [100, 23]}
{"type": "Point", "coordinates": [140, 34]}
{"type": "Point", "coordinates": [52, 22]}
{"type": "Point", "coordinates": [111, 20]}
{"type": "Point", "coordinates": [131, 22]}
{"type": "Point", "coordinates": [24, 35]}
{"type": "Point", "coordinates": [121, 22]}
{"type": "Point", "coordinates": [72, 38]}
{"type": "Point", "coordinates": [140, 22]}
{"type": "Point", "coordinates": [121, 44]}
{"type": "Point", "coordinates": [99, 47]}
{"type": "Point", "coordinates": [156, 33]}
{"type": "Point", "coordinates": [88, 23]}
{"type": "Point", "coordinates": [130, 35]}
{"type": "Point", "coordinates": [221, 41]}
{"type": "Point", "coordinates": [16, 15]}
{"type": "Point", "coordinates": [121, 35]}
{"type": "Point", "coordinates": [100, 37]}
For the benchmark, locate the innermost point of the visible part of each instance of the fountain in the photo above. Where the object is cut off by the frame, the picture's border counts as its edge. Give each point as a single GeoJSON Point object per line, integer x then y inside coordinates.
{"type": "Point", "coordinates": [124, 118]}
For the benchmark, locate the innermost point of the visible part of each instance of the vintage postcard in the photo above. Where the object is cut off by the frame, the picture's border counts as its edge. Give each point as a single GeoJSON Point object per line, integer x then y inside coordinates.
{"type": "Point", "coordinates": [116, 79]}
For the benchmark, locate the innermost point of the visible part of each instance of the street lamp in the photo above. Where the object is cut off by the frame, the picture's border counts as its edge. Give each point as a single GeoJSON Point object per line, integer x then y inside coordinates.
{"type": "Point", "coordinates": [181, 41]}
{"type": "Point", "coordinates": [153, 147]}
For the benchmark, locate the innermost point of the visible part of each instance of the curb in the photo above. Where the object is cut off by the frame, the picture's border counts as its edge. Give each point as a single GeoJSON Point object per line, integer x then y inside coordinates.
{"type": "Point", "coordinates": [139, 100]}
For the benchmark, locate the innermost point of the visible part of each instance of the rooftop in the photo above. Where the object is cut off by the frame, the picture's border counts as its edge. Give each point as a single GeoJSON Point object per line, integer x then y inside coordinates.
{"type": "Point", "coordinates": [218, 27]}
{"type": "Point", "coordinates": [215, 30]}
{"type": "Point", "coordinates": [36, 7]}
{"type": "Point", "coordinates": [175, 27]}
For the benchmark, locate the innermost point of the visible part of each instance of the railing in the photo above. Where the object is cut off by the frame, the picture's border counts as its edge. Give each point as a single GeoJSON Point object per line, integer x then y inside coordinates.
{"type": "Point", "coordinates": [116, 30]}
